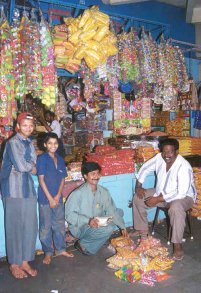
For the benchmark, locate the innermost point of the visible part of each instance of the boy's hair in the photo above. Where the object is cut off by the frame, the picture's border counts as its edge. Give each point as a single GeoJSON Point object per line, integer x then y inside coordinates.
{"type": "Point", "coordinates": [169, 141]}
{"type": "Point", "coordinates": [50, 135]}
{"type": "Point", "coordinates": [89, 167]}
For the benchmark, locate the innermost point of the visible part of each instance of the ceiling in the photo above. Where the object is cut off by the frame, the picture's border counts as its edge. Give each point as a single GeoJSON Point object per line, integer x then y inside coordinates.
{"type": "Point", "coordinates": [193, 7]}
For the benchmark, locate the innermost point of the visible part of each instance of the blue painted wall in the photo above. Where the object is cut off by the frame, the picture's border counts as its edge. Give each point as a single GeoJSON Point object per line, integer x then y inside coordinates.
{"type": "Point", "coordinates": [171, 15]}
{"type": "Point", "coordinates": [153, 11]}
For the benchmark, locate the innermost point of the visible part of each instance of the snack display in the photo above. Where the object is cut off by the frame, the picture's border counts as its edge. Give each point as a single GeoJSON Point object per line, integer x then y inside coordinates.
{"type": "Point", "coordinates": [121, 161]}
{"type": "Point", "coordinates": [196, 210]}
{"type": "Point", "coordinates": [19, 74]}
{"type": "Point", "coordinates": [30, 50]}
{"type": "Point", "coordinates": [179, 127]}
{"type": "Point", "coordinates": [7, 79]}
{"type": "Point", "coordinates": [144, 151]}
{"type": "Point", "coordinates": [49, 77]}
{"type": "Point", "coordinates": [189, 145]}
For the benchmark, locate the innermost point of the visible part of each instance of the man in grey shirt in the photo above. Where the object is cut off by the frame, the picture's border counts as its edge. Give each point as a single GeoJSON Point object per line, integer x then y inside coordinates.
{"type": "Point", "coordinates": [86, 203]}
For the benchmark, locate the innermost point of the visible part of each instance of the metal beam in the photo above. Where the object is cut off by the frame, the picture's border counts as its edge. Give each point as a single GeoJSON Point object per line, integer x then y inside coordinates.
{"type": "Point", "coordinates": [11, 9]}
{"type": "Point", "coordinates": [115, 2]}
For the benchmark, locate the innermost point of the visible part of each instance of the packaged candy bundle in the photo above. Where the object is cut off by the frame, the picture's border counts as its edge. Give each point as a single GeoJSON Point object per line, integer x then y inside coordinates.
{"type": "Point", "coordinates": [195, 146]}
{"type": "Point", "coordinates": [115, 162]}
{"type": "Point", "coordinates": [182, 76]}
{"type": "Point", "coordinates": [30, 49]}
{"type": "Point", "coordinates": [63, 49]}
{"type": "Point", "coordinates": [148, 59]}
{"type": "Point", "coordinates": [121, 242]}
{"type": "Point", "coordinates": [129, 274]}
{"type": "Point", "coordinates": [196, 210]}
{"type": "Point", "coordinates": [117, 105]}
{"type": "Point", "coordinates": [88, 38]}
{"type": "Point", "coordinates": [185, 145]}
{"type": "Point", "coordinates": [19, 74]}
{"type": "Point", "coordinates": [49, 77]}
{"type": "Point", "coordinates": [146, 244]}
{"type": "Point", "coordinates": [143, 152]}
{"type": "Point", "coordinates": [74, 172]}
{"type": "Point", "coordinates": [7, 80]}
{"type": "Point", "coordinates": [179, 127]}
{"type": "Point", "coordinates": [115, 262]}
{"type": "Point", "coordinates": [104, 149]}
{"type": "Point", "coordinates": [61, 105]}
{"type": "Point", "coordinates": [148, 278]}
{"type": "Point", "coordinates": [128, 59]}
{"type": "Point", "coordinates": [132, 126]}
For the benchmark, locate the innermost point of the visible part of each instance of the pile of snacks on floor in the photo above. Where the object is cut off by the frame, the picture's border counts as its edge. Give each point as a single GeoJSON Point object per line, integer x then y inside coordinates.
{"type": "Point", "coordinates": [196, 210]}
{"type": "Point", "coordinates": [145, 262]}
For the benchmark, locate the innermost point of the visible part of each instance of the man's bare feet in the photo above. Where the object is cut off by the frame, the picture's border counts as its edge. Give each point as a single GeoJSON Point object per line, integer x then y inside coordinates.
{"type": "Point", "coordinates": [66, 254]}
{"type": "Point", "coordinates": [28, 269]}
{"type": "Point", "coordinates": [17, 272]}
{"type": "Point", "coordinates": [178, 253]}
{"type": "Point", "coordinates": [47, 259]}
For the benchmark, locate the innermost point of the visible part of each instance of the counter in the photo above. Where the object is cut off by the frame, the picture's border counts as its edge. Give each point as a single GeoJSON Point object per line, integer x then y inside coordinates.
{"type": "Point", "coordinates": [121, 188]}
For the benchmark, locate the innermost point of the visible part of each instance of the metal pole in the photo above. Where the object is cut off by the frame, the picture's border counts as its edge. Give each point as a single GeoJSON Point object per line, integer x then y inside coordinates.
{"type": "Point", "coordinates": [185, 43]}
{"type": "Point", "coordinates": [11, 9]}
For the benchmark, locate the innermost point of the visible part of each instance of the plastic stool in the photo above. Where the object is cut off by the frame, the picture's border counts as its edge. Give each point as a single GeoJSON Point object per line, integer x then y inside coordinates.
{"type": "Point", "coordinates": [169, 228]}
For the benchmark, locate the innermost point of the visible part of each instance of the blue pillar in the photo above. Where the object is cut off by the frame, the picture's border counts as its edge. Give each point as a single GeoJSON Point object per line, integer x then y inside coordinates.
{"type": "Point", "coordinates": [11, 9]}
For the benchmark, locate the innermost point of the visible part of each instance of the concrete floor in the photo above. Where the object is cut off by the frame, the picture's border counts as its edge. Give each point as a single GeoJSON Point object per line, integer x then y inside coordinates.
{"type": "Point", "coordinates": [89, 274]}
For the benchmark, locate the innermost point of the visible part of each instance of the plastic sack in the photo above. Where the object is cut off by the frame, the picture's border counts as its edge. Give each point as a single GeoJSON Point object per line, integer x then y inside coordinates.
{"type": "Point", "coordinates": [91, 63]}
{"type": "Point", "coordinates": [74, 38]}
{"type": "Point", "coordinates": [85, 36]}
{"type": "Point", "coordinates": [86, 15]}
{"type": "Point", "coordinates": [101, 33]}
{"type": "Point", "coordinates": [80, 52]}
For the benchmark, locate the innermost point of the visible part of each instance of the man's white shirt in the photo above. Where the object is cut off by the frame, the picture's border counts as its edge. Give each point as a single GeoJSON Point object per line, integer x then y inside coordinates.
{"type": "Point", "coordinates": [176, 183]}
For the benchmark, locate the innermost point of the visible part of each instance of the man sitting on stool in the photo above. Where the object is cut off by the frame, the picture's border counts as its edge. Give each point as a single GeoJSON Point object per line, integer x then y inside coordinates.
{"type": "Point", "coordinates": [87, 202]}
{"type": "Point", "coordinates": [174, 189]}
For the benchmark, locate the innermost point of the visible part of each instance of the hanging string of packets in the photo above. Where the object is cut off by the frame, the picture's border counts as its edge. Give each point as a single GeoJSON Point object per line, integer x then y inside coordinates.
{"type": "Point", "coordinates": [7, 79]}
{"type": "Point", "coordinates": [27, 60]}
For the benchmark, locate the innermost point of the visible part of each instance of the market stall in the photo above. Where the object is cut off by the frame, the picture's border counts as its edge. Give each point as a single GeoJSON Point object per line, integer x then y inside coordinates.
{"type": "Point", "coordinates": [109, 87]}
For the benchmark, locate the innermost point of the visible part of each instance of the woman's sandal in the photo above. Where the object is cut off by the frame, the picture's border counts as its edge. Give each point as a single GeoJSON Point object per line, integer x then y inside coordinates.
{"type": "Point", "coordinates": [17, 272]}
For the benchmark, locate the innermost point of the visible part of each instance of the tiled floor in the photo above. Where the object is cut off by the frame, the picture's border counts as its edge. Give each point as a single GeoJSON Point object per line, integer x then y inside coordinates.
{"type": "Point", "coordinates": [89, 274]}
